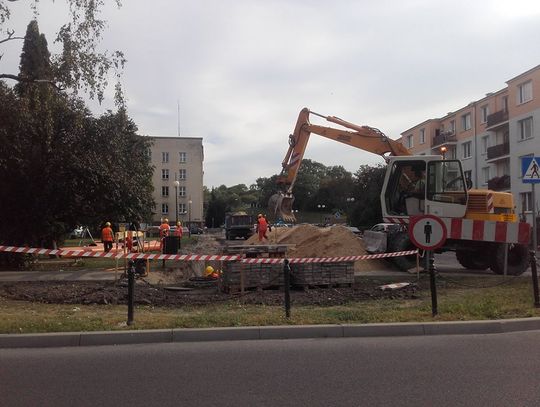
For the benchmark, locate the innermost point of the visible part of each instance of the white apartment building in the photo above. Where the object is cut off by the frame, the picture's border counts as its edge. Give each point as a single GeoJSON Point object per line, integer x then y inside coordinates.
{"type": "Point", "coordinates": [490, 136]}
{"type": "Point", "coordinates": [178, 179]}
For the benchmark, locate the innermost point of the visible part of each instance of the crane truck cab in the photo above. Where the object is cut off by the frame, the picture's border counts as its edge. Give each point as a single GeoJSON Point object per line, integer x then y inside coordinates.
{"type": "Point", "coordinates": [424, 185]}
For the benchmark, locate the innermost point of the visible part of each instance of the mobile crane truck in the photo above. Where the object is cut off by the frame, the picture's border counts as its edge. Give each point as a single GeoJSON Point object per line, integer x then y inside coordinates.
{"type": "Point", "coordinates": [481, 223]}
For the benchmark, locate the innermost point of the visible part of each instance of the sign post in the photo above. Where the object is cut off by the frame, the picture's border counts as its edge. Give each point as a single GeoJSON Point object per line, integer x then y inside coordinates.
{"type": "Point", "coordinates": [530, 171]}
{"type": "Point", "coordinates": [428, 232]}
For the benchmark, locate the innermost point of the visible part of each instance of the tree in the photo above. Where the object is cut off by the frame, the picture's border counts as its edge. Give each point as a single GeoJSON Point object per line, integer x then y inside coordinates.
{"type": "Point", "coordinates": [79, 66]}
{"type": "Point", "coordinates": [367, 205]}
{"type": "Point", "coordinates": [215, 214]}
{"type": "Point", "coordinates": [59, 166]}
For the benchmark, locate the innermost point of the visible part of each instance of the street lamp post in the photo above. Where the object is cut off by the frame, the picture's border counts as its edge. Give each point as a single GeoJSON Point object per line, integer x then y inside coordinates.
{"type": "Point", "coordinates": [321, 206]}
{"type": "Point", "coordinates": [189, 216]}
{"type": "Point", "coordinates": [176, 185]}
{"type": "Point", "coordinates": [349, 205]}
{"type": "Point", "coordinates": [443, 151]}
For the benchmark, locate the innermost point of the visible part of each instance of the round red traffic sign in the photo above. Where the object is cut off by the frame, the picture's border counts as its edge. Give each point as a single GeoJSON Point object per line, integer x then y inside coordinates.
{"type": "Point", "coordinates": [427, 232]}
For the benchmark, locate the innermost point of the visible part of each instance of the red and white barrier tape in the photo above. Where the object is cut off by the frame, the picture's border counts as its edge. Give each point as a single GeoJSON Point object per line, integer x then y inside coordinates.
{"type": "Point", "coordinates": [196, 257]}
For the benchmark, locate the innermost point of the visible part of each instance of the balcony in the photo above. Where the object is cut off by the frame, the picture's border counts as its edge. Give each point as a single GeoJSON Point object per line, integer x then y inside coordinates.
{"type": "Point", "coordinates": [499, 183]}
{"type": "Point", "coordinates": [442, 139]}
{"type": "Point", "coordinates": [498, 151]}
{"type": "Point", "coordinates": [498, 118]}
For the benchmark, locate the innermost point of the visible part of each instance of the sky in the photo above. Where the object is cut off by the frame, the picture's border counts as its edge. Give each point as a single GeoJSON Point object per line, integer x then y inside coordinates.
{"type": "Point", "coordinates": [238, 72]}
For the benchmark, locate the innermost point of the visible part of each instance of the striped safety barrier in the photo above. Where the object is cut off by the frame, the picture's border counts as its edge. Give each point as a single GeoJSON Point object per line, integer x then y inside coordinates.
{"type": "Point", "coordinates": [197, 257]}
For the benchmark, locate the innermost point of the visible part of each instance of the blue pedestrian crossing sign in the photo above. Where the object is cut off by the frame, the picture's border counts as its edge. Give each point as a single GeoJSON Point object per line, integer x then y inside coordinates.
{"type": "Point", "coordinates": [530, 170]}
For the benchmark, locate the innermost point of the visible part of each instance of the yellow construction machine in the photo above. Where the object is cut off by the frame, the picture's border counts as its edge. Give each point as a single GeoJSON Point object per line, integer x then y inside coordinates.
{"type": "Point", "coordinates": [482, 223]}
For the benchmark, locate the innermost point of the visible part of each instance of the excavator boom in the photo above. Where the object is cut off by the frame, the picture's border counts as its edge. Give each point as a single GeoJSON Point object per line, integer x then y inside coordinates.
{"type": "Point", "coordinates": [363, 137]}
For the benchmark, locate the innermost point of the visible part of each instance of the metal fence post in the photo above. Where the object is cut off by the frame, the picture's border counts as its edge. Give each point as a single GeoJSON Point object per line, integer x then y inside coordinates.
{"type": "Point", "coordinates": [131, 289]}
{"type": "Point", "coordinates": [287, 282]}
{"type": "Point", "coordinates": [534, 278]}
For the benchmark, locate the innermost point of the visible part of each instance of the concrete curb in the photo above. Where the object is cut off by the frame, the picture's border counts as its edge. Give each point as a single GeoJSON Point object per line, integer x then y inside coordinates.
{"type": "Point", "coordinates": [98, 338]}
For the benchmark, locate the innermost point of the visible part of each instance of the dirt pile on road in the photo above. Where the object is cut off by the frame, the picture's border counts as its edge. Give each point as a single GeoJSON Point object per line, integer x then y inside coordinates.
{"type": "Point", "coordinates": [312, 241]}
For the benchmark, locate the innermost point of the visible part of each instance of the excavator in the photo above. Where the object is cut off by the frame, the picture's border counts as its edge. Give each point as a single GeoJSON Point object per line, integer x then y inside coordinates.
{"type": "Point", "coordinates": [483, 229]}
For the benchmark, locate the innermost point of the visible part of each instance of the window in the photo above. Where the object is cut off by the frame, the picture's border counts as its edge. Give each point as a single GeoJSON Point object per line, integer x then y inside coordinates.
{"type": "Point", "coordinates": [182, 157]}
{"type": "Point", "coordinates": [524, 92]}
{"type": "Point", "coordinates": [452, 126]}
{"type": "Point", "coordinates": [164, 174]}
{"type": "Point", "coordinates": [526, 201]}
{"type": "Point", "coordinates": [182, 208]}
{"type": "Point", "coordinates": [466, 148]}
{"type": "Point", "coordinates": [485, 144]}
{"type": "Point", "coordinates": [422, 136]}
{"type": "Point", "coordinates": [164, 157]}
{"type": "Point", "coordinates": [485, 175]}
{"type": "Point", "coordinates": [466, 122]}
{"type": "Point", "coordinates": [525, 128]}
{"type": "Point", "coordinates": [445, 182]}
{"type": "Point", "coordinates": [164, 208]}
{"type": "Point", "coordinates": [181, 190]}
{"type": "Point", "coordinates": [505, 103]}
{"type": "Point", "coordinates": [484, 113]}
{"type": "Point", "coordinates": [410, 141]}
{"type": "Point", "coordinates": [182, 174]}
{"type": "Point", "coordinates": [164, 191]}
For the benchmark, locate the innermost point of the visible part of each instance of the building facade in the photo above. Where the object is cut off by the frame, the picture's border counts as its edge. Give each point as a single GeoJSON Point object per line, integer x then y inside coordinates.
{"type": "Point", "coordinates": [489, 136]}
{"type": "Point", "coordinates": [178, 179]}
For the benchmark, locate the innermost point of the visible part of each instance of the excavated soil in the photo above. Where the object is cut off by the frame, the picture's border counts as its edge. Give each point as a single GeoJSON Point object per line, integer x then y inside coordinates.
{"type": "Point", "coordinates": [312, 241]}
{"type": "Point", "coordinates": [145, 294]}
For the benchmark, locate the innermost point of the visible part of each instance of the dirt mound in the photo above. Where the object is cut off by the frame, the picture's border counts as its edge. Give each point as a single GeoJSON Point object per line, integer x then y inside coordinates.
{"type": "Point", "coordinates": [312, 241]}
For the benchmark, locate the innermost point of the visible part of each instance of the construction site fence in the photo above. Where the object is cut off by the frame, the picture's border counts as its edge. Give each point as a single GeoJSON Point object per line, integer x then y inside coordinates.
{"type": "Point", "coordinates": [196, 257]}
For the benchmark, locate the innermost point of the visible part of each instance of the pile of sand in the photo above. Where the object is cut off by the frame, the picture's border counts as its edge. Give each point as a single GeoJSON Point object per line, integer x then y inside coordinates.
{"type": "Point", "coordinates": [312, 241]}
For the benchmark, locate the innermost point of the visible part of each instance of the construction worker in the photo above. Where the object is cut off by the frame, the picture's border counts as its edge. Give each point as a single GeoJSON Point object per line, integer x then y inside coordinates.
{"type": "Point", "coordinates": [107, 237]}
{"type": "Point", "coordinates": [262, 227]}
{"type": "Point", "coordinates": [178, 232]}
{"type": "Point", "coordinates": [164, 230]}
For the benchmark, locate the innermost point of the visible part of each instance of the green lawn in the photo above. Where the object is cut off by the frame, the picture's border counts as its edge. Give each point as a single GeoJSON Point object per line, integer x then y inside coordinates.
{"type": "Point", "coordinates": [456, 303]}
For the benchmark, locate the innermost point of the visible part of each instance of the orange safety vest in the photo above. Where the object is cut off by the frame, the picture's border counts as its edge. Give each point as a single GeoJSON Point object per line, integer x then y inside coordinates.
{"type": "Point", "coordinates": [178, 231]}
{"type": "Point", "coordinates": [263, 224]}
{"type": "Point", "coordinates": [164, 229]}
{"type": "Point", "coordinates": [107, 234]}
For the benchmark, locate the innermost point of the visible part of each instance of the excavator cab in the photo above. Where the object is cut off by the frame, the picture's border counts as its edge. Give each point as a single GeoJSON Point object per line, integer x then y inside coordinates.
{"type": "Point", "coordinates": [424, 185]}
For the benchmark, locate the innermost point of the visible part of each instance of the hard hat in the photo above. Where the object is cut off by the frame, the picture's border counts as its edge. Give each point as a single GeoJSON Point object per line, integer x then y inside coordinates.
{"type": "Point", "coordinates": [209, 270]}
{"type": "Point", "coordinates": [166, 220]}
{"type": "Point", "coordinates": [107, 223]}
{"type": "Point", "coordinates": [179, 223]}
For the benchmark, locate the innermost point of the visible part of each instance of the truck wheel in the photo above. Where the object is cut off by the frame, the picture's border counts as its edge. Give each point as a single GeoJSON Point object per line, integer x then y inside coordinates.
{"type": "Point", "coordinates": [518, 259]}
{"type": "Point", "coordinates": [399, 242]}
{"type": "Point", "coordinates": [474, 259]}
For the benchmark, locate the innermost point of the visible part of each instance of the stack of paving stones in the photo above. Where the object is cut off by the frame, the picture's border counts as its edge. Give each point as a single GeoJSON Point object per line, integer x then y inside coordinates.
{"type": "Point", "coordinates": [322, 274]}
{"type": "Point", "coordinates": [259, 276]}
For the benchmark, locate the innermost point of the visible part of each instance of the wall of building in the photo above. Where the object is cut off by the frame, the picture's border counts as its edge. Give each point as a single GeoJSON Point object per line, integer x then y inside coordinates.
{"type": "Point", "coordinates": [506, 99]}
{"type": "Point", "coordinates": [190, 189]}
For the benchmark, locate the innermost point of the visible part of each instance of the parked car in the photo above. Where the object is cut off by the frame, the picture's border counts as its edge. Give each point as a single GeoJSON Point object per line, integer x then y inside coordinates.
{"type": "Point", "coordinates": [196, 230]}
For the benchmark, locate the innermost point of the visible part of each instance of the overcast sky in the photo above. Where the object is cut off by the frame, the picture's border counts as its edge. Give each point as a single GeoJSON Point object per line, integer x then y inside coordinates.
{"type": "Point", "coordinates": [242, 70]}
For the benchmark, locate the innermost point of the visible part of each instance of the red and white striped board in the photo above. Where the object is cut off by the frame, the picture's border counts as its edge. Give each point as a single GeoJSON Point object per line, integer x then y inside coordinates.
{"type": "Point", "coordinates": [482, 230]}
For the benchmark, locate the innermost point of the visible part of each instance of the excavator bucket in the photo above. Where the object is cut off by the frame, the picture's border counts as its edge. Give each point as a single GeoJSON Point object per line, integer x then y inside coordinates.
{"type": "Point", "coordinates": [281, 207]}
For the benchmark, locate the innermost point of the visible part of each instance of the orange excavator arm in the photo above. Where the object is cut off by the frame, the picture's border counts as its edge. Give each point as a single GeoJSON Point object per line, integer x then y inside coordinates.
{"type": "Point", "coordinates": [363, 137]}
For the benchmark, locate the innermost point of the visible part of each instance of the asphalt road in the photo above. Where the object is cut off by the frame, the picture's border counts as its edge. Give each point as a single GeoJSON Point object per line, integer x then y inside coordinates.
{"type": "Point", "coordinates": [473, 370]}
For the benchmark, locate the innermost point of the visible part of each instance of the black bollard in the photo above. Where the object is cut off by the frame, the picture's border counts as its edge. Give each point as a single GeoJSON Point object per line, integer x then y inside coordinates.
{"type": "Point", "coordinates": [287, 282]}
{"type": "Point", "coordinates": [131, 289]}
{"type": "Point", "coordinates": [432, 283]}
{"type": "Point", "coordinates": [534, 273]}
